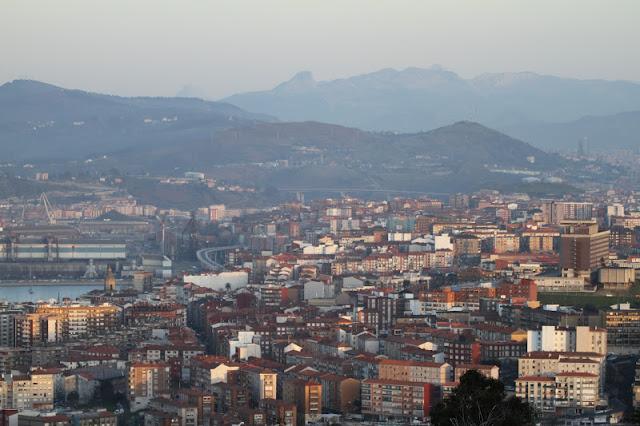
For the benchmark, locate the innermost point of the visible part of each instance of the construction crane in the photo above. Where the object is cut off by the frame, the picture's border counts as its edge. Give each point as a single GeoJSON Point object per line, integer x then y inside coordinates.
{"type": "Point", "coordinates": [48, 208]}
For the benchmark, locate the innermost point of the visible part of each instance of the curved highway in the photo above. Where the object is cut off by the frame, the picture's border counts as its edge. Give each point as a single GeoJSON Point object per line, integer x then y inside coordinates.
{"type": "Point", "coordinates": [206, 257]}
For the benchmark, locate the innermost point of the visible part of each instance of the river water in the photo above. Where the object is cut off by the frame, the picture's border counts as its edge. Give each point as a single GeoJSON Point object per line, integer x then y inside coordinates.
{"type": "Point", "coordinates": [36, 291]}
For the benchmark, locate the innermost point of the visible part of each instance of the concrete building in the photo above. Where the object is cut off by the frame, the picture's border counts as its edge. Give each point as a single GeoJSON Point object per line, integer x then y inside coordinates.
{"type": "Point", "coordinates": [147, 380]}
{"type": "Point", "coordinates": [160, 266]}
{"type": "Point", "coordinates": [506, 243]}
{"type": "Point", "coordinates": [564, 390]}
{"type": "Point", "coordinates": [279, 413]}
{"type": "Point", "coordinates": [27, 391]}
{"type": "Point", "coordinates": [216, 212]}
{"type": "Point", "coordinates": [557, 212]}
{"type": "Point", "coordinates": [339, 393]}
{"type": "Point", "coordinates": [489, 371]}
{"type": "Point", "coordinates": [397, 400]}
{"type": "Point", "coordinates": [245, 345]}
{"type": "Point", "coordinates": [261, 383]}
{"type": "Point", "coordinates": [415, 371]}
{"type": "Point", "coordinates": [623, 329]}
{"type": "Point", "coordinates": [184, 412]}
{"type": "Point", "coordinates": [559, 284]}
{"type": "Point", "coordinates": [616, 279]}
{"type": "Point", "coordinates": [567, 339]}
{"type": "Point", "coordinates": [537, 391]}
{"type": "Point", "coordinates": [8, 327]}
{"type": "Point", "coordinates": [207, 370]}
{"type": "Point", "coordinates": [554, 363]}
{"type": "Point", "coordinates": [78, 320]}
{"type": "Point", "coordinates": [467, 245]}
{"type": "Point", "coordinates": [540, 240]}
{"type": "Point", "coordinates": [636, 386]}
{"type": "Point", "coordinates": [307, 397]}
{"type": "Point", "coordinates": [318, 290]}
{"type": "Point", "coordinates": [53, 250]}
{"type": "Point", "coordinates": [583, 250]}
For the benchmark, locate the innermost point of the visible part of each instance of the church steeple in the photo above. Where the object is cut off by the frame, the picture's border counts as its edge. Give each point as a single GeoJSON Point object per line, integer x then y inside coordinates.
{"type": "Point", "coordinates": [109, 281]}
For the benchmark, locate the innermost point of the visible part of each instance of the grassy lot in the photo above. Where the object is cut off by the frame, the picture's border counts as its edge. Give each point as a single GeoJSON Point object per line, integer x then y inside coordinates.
{"type": "Point", "coordinates": [599, 299]}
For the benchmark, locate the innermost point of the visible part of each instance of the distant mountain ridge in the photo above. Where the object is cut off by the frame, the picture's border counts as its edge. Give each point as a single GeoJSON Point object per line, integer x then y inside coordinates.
{"type": "Point", "coordinates": [417, 99]}
{"type": "Point", "coordinates": [461, 156]}
{"type": "Point", "coordinates": [596, 133]}
{"type": "Point", "coordinates": [171, 135]}
{"type": "Point", "coordinates": [45, 121]}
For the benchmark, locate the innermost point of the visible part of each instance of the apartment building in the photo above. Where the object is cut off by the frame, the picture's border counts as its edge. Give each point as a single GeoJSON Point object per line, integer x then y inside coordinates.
{"type": "Point", "coordinates": [339, 393]}
{"type": "Point", "coordinates": [555, 363]}
{"type": "Point", "coordinates": [549, 363]}
{"type": "Point", "coordinates": [185, 413]}
{"type": "Point", "coordinates": [80, 320]}
{"type": "Point", "coordinates": [583, 250]}
{"type": "Point", "coordinates": [261, 383]}
{"type": "Point", "coordinates": [564, 390]}
{"type": "Point", "coordinates": [27, 391]}
{"type": "Point", "coordinates": [147, 381]}
{"type": "Point", "coordinates": [551, 338]}
{"type": "Point", "coordinates": [489, 371]}
{"type": "Point", "coordinates": [415, 371]}
{"type": "Point", "coordinates": [207, 370]}
{"type": "Point", "coordinates": [307, 397]}
{"type": "Point", "coordinates": [623, 329]}
{"type": "Point", "coordinates": [401, 400]}
{"type": "Point", "coordinates": [279, 413]}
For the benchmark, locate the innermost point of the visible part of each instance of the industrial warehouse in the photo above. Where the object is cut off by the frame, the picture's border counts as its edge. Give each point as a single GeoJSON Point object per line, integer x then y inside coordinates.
{"type": "Point", "coordinates": [56, 251]}
{"type": "Point", "coordinates": [53, 250]}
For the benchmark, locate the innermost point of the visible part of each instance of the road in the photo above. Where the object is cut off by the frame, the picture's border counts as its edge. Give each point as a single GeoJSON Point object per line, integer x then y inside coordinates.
{"type": "Point", "coordinates": [206, 257]}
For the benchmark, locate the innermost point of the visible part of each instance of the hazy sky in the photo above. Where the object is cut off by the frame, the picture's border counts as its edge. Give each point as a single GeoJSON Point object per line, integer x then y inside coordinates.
{"type": "Point", "coordinates": [154, 47]}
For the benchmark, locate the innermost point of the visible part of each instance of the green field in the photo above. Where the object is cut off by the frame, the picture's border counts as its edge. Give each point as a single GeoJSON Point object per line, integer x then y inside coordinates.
{"type": "Point", "coordinates": [598, 299]}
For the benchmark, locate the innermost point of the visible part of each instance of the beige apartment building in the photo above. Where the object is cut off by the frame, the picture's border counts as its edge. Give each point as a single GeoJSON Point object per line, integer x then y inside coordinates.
{"type": "Point", "coordinates": [569, 389]}
{"type": "Point", "coordinates": [80, 320]}
{"type": "Point", "coordinates": [415, 371]}
{"type": "Point", "coordinates": [538, 391]}
{"type": "Point", "coordinates": [24, 392]}
{"type": "Point", "coordinates": [147, 380]}
{"type": "Point", "coordinates": [551, 363]}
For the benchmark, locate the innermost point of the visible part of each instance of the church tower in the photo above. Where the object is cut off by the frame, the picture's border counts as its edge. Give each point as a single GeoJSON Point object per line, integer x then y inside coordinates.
{"type": "Point", "coordinates": [109, 281]}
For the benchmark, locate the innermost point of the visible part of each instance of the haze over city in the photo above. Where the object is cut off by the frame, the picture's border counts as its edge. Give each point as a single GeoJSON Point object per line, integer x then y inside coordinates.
{"type": "Point", "coordinates": [278, 212]}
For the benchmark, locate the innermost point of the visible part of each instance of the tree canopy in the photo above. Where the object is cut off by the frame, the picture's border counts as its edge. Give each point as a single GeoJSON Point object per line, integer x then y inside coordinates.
{"type": "Point", "coordinates": [481, 401]}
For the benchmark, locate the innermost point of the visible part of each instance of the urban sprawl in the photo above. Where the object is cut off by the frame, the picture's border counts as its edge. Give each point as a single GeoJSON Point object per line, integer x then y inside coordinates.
{"type": "Point", "coordinates": [326, 311]}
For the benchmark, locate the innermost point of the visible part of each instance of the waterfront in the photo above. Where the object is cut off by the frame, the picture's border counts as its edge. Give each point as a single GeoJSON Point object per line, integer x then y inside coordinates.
{"type": "Point", "coordinates": [36, 291]}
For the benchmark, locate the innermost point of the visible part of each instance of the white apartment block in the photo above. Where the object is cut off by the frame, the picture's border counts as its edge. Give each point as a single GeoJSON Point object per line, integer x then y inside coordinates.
{"type": "Point", "coordinates": [567, 339]}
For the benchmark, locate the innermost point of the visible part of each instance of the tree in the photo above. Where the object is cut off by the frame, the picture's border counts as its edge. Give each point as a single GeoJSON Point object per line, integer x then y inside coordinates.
{"type": "Point", "coordinates": [480, 401]}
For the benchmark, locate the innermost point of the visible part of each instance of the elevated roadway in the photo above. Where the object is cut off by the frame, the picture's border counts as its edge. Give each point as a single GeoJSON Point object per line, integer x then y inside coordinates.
{"type": "Point", "coordinates": [207, 257]}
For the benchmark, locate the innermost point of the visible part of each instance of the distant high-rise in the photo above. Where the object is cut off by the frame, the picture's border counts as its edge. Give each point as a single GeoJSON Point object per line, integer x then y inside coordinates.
{"type": "Point", "coordinates": [216, 212]}
{"type": "Point", "coordinates": [556, 212]}
{"type": "Point", "coordinates": [613, 210]}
